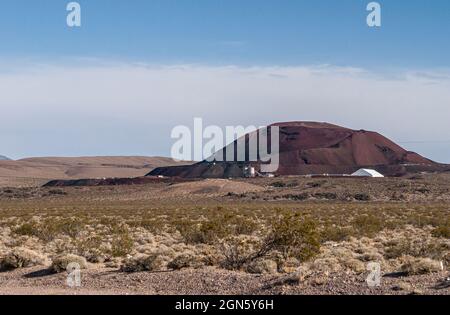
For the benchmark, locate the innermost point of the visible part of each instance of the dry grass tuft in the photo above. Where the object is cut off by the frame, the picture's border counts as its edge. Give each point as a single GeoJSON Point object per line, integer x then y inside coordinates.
{"type": "Point", "coordinates": [262, 266]}
{"type": "Point", "coordinates": [187, 260]}
{"type": "Point", "coordinates": [142, 262]}
{"type": "Point", "coordinates": [21, 258]}
{"type": "Point", "coordinates": [419, 266]}
{"type": "Point", "coordinates": [60, 263]}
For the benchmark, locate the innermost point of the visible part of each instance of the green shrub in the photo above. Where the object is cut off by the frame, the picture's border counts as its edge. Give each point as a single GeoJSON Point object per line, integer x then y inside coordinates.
{"type": "Point", "coordinates": [416, 248]}
{"type": "Point", "coordinates": [295, 237]}
{"type": "Point", "coordinates": [122, 245]}
{"type": "Point", "coordinates": [68, 226]}
{"type": "Point", "coordinates": [216, 228]}
{"type": "Point", "coordinates": [155, 226]}
{"type": "Point", "coordinates": [290, 235]}
{"type": "Point", "coordinates": [50, 228]}
{"type": "Point", "coordinates": [239, 251]}
{"type": "Point", "coordinates": [244, 226]}
{"type": "Point", "coordinates": [90, 248]}
{"type": "Point", "coordinates": [27, 229]}
{"type": "Point", "coordinates": [335, 233]}
{"type": "Point", "coordinates": [442, 231]}
{"type": "Point", "coordinates": [367, 225]}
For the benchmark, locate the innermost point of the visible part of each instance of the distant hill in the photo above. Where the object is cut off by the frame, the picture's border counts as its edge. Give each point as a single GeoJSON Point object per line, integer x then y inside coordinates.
{"type": "Point", "coordinates": [43, 169]}
{"type": "Point", "coordinates": [318, 148]}
{"type": "Point", "coordinates": [4, 158]}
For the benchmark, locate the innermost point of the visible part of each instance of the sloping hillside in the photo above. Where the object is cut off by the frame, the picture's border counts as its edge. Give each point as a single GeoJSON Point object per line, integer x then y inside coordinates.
{"type": "Point", "coordinates": [31, 170]}
{"type": "Point", "coordinates": [318, 148]}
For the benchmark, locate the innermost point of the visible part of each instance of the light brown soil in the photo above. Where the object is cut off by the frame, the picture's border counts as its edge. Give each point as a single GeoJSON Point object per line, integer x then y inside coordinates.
{"type": "Point", "coordinates": [212, 187]}
{"type": "Point", "coordinates": [37, 171]}
{"type": "Point", "coordinates": [208, 281]}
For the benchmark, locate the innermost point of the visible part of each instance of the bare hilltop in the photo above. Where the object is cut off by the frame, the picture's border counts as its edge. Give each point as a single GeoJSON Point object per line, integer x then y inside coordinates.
{"type": "Point", "coordinates": [39, 170]}
{"type": "Point", "coordinates": [307, 148]}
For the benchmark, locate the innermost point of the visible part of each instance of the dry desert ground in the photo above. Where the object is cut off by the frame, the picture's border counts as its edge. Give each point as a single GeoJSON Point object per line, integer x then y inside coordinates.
{"type": "Point", "coordinates": [287, 235]}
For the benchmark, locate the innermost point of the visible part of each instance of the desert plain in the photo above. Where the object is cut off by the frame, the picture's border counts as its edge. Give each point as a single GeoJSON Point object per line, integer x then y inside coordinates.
{"type": "Point", "coordinates": [283, 235]}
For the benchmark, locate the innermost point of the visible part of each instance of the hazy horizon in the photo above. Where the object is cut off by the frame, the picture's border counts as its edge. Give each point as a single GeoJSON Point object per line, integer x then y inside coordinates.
{"type": "Point", "coordinates": [119, 84]}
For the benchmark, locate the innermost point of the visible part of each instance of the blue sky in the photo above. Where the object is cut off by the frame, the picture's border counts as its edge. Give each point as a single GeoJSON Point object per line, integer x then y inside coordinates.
{"type": "Point", "coordinates": [149, 65]}
{"type": "Point", "coordinates": [414, 32]}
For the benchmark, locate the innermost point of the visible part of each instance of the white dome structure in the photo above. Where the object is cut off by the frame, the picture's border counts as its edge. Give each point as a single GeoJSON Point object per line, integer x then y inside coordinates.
{"type": "Point", "coordinates": [365, 172]}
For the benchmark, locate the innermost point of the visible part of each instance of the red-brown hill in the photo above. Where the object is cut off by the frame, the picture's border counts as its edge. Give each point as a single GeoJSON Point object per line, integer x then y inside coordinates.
{"type": "Point", "coordinates": [319, 148]}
